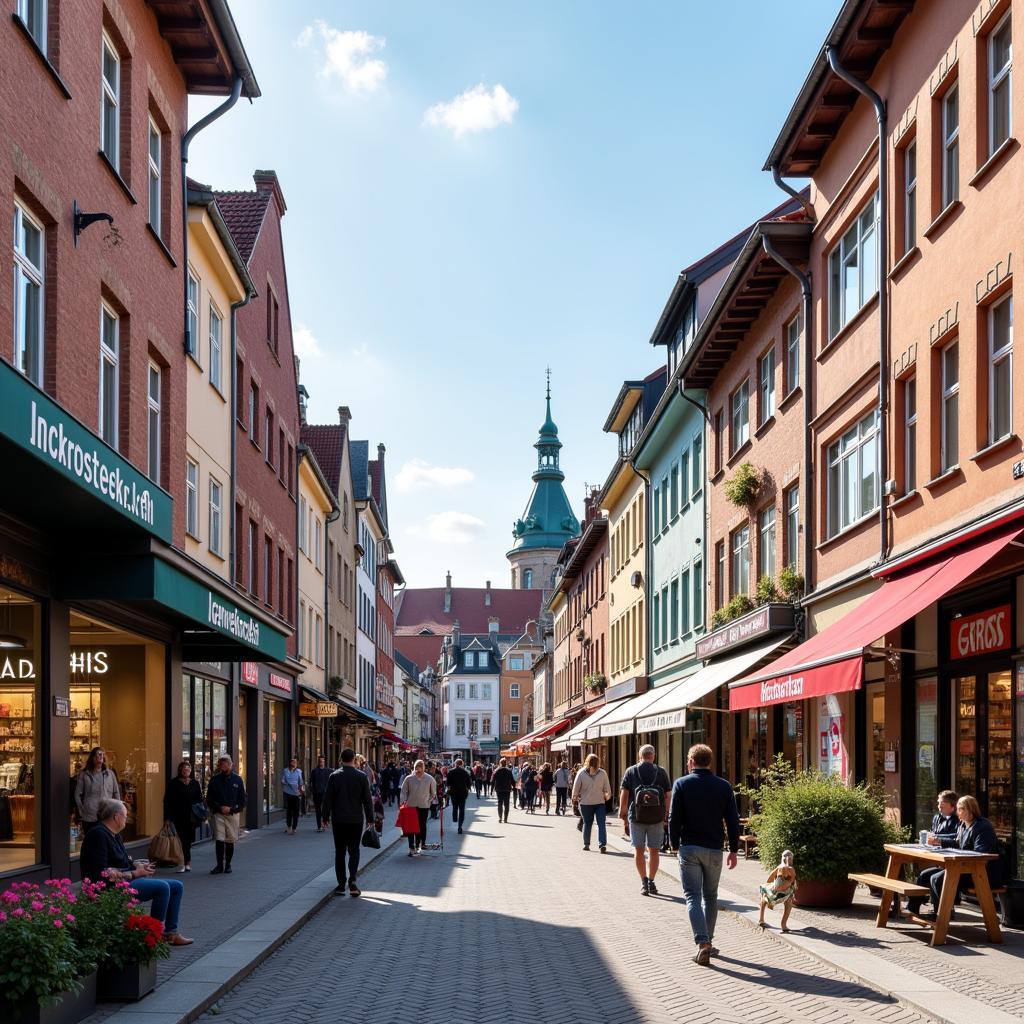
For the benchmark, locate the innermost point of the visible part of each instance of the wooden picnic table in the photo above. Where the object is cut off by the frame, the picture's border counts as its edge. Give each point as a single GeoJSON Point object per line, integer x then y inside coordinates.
{"type": "Point", "coordinates": [956, 863]}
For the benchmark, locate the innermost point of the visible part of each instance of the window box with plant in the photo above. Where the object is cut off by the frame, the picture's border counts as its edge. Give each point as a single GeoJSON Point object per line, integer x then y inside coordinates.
{"type": "Point", "coordinates": [739, 605]}
{"type": "Point", "coordinates": [595, 682]}
{"type": "Point", "coordinates": [743, 487]}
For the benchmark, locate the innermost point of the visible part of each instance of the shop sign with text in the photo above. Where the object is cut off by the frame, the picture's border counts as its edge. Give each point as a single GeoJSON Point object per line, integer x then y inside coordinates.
{"type": "Point", "coordinates": [282, 683]}
{"type": "Point", "coordinates": [770, 618]}
{"type": "Point", "coordinates": [251, 673]}
{"type": "Point", "coordinates": [318, 709]}
{"type": "Point", "coordinates": [981, 633]}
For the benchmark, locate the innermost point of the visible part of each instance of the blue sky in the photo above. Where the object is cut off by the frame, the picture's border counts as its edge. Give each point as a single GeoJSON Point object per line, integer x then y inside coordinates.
{"type": "Point", "coordinates": [476, 191]}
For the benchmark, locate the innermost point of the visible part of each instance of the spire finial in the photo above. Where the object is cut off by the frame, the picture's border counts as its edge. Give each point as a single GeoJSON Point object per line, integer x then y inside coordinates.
{"type": "Point", "coordinates": [549, 383]}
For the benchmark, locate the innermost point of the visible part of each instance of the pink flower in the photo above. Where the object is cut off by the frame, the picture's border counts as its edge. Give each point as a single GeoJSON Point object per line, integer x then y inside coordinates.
{"type": "Point", "coordinates": [57, 923]}
{"type": "Point", "coordinates": [36, 905]}
{"type": "Point", "coordinates": [3, 916]}
{"type": "Point", "coordinates": [70, 918]}
{"type": "Point", "coordinates": [20, 913]}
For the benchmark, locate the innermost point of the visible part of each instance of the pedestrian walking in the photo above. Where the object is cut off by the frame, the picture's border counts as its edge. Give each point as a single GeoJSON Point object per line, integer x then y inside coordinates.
{"type": "Point", "coordinates": [346, 805]}
{"type": "Point", "coordinates": [590, 791]}
{"type": "Point", "coordinates": [529, 784]}
{"type": "Point", "coordinates": [459, 782]}
{"type": "Point", "coordinates": [516, 773]}
{"type": "Point", "coordinates": [225, 796]}
{"type": "Point", "coordinates": [478, 778]}
{"type": "Point", "coordinates": [96, 781]}
{"type": "Point", "coordinates": [419, 790]}
{"type": "Point", "coordinates": [643, 808]}
{"type": "Point", "coordinates": [182, 793]}
{"type": "Point", "coordinates": [488, 776]}
{"type": "Point", "coordinates": [701, 802]}
{"type": "Point", "coordinates": [394, 784]}
{"type": "Point", "coordinates": [546, 778]}
{"type": "Point", "coordinates": [318, 784]}
{"type": "Point", "coordinates": [562, 784]}
{"type": "Point", "coordinates": [104, 858]}
{"type": "Point", "coordinates": [294, 786]}
{"type": "Point", "coordinates": [504, 782]}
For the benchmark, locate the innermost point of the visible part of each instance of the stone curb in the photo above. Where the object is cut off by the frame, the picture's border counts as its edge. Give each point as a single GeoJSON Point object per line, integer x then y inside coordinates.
{"type": "Point", "coordinates": [911, 990]}
{"type": "Point", "coordinates": [194, 989]}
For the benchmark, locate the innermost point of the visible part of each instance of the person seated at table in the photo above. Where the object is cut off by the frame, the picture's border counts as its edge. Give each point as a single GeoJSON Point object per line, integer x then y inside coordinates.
{"type": "Point", "coordinates": [974, 833]}
{"type": "Point", "coordinates": [104, 859]}
{"type": "Point", "coordinates": [946, 823]}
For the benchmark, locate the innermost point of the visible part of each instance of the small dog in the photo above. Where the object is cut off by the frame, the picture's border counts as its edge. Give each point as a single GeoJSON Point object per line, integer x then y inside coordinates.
{"type": "Point", "coordinates": [779, 887]}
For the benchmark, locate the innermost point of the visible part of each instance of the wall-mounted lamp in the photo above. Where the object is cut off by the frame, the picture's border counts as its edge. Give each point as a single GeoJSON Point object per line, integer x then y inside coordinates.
{"type": "Point", "coordinates": [83, 220]}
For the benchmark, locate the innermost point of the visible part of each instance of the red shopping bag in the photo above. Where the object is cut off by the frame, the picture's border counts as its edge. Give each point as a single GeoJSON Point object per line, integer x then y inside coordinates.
{"type": "Point", "coordinates": [408, 820]}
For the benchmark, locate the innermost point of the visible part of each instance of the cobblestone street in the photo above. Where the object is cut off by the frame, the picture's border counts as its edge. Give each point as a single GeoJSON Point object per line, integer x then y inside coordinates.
{"type": "Point", "coordinates": [516, 921]}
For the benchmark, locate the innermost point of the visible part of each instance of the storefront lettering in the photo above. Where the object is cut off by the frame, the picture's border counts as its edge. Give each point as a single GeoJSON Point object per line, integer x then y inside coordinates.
{"type": "Point", "coordinates": [775, 690]}
{"type": "Point", "coordinates": [80, 663]}
{"type": "Point", "coordinates": [51, 440]}
{"type": "Point", "coordinates": [231, 621]}
{"type": "Point", "coordinates": [280, 682]}
{"type": "Point", "coordinates": [251, 673]}
{"type": "Point", "coordinates": [980, 633]}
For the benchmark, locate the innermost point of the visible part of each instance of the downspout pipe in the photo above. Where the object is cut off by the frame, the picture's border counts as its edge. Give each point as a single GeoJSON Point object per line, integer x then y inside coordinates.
{"type": "Point", "coordinates": [332, 517]}
{"type": "Point", "coordinates": [883, 287]}
{"type": "Point", "coordinates": [798, 196]}
{"type": "Point", "coordinates": [808, 468]}
{"type": "Point", "coordinates": [232, 419]}
{"type": "Point", "coordinates": [186, 141]}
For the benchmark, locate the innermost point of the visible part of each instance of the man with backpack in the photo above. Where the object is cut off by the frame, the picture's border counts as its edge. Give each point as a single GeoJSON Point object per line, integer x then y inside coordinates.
{"type": "Point", "coordinates": [643, 808]}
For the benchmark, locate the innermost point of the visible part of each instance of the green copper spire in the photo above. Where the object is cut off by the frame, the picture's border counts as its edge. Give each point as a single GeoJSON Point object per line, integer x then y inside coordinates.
{"type": "Point", "coordinates": [548, 521]}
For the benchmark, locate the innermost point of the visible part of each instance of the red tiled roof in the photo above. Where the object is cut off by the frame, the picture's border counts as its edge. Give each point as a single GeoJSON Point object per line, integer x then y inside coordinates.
{"type": "Point", "coordinates": [424, 609]}
{"type": "Point", "coordinates": [326, 443]}
{"type": "Point", "coordinates": [243, 213]}
{"type": "Point", "coordinates": [374, 467]}
{"type": "Point", "coordinates": [423, 651]}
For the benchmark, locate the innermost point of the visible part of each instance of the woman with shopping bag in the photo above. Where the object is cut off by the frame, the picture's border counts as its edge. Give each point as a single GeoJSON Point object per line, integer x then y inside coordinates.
{"type": "Point", "coordinates": [419, 791]}
{"type": "Point", "coordinates": [165, 847]}
{"type": "Point", "coordinates": [183, 798]}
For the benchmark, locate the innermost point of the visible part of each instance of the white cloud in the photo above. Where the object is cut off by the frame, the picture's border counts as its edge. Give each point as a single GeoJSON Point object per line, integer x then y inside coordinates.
{"type": "Point", "coordinates": [475, 110]}
{"type": "Point", "coordinates": [306, 345]}
{"type": "Point", "coordinates": [348, 56]}
{"type": "Point", "coordinates": [419, 475]}
{"type": "Point", "coordinates": [449, 528]}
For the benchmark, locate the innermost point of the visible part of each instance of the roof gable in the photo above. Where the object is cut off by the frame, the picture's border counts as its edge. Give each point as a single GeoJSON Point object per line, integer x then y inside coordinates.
{"type": "Point", "coordinates": [243, 213]}
{"type": "Point", "coordinates": [424, 609]}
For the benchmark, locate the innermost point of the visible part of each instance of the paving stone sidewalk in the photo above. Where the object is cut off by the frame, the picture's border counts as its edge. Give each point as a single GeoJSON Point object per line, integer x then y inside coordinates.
{"type": "Point", "coordinates": [515, 922]}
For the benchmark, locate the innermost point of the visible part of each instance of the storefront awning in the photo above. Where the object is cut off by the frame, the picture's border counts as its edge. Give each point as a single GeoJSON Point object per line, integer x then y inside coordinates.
{"type": "Point", "coordinates": [538, 735]}
{"type": "Point", "coordinates": [588, 728]}
{"type": "Point", "coordinates": [669, 711]}
{"type": "Point", "coordinates": [311, 693]}
{"type": "Point", "coordinates": [620, 721]}
{"type": "Point", "coordinates": [832, 661]}
{"type": "Point", "coordinates": [365, 715]}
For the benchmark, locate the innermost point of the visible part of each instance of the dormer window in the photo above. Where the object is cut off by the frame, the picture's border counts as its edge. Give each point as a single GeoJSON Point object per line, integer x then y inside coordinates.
{"type": "Point", "coordinates": [685, 333]}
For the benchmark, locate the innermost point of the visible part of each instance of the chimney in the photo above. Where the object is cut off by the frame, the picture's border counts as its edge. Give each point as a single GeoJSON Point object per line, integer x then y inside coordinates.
{"type": "Point", "coordinates": [456, 633]}
{"type": "Point", "coordinates": [266, 181]}
{"type": "Point", "coordinates": [380, 455]}
{"type": "Point", "coordinates": [487, 595]}
{"type": "Point", "coordinates": [492, 626]}
{"type": "Point", "coordinates": [448, 593]}
{"type": "Point", "coordinates": [344, 415]}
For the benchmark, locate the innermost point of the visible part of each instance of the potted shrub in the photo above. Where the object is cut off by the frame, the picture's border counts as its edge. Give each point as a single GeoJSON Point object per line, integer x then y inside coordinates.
{"type": "Point", "coordinates": [743, 486]}
{"type": "Point", "coordinates": [739, 605]}
{"type": "Point", "coordinates": [791, 583]}
{"type": "Point", "coordinates": [833, 830]}
{"type": "Point", "coordinates": [595, 683]}
{"type": "Point", "coordinates": [767, 590]}
{"type": "Point", "coordinates": [45, 978]}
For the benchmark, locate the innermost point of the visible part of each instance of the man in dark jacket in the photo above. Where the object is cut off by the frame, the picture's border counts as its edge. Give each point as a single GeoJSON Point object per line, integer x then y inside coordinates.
{"type": "Point", "coordinates": [318, 784]}
{"type": "Point", "coordinates": [701, 801]}
{"type": "Point", "coordinates": [503, 782]}
{"type": "Point", "coordinates": [347, 803]}
{"type": "Point", "coordinates": [459, 781]}
{"type": "Point", "coordinates": [225, 796]}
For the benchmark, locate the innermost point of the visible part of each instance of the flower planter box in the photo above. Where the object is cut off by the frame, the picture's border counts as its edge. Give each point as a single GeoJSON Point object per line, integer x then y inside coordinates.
{"type": "Point", "coordinates": [70, 1010]}
{"type": "Point", "coordinates": [125, 984]}
{"type": "Point", "coordinates": [824, 894]}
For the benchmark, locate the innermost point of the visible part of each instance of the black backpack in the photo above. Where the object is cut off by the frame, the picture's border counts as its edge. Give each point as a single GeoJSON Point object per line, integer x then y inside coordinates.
{"type": "Point", "coordinates": [648, 800]}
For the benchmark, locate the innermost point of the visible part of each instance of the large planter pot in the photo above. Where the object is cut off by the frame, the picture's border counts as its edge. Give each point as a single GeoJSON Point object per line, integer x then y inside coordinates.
{"type": "Point", "coordinates": [1012, 903]}
{"type": "Point", "coordinates": [824, 894]}
{"type": "Point", "coordinates": [70, 1010]}
{"type": "Point", "coordinates": [125, 984]}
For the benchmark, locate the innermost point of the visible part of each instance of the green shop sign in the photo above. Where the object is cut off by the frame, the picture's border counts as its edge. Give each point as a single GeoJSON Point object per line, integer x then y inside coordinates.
{"type": "Point", "coordinates": [36, 424]}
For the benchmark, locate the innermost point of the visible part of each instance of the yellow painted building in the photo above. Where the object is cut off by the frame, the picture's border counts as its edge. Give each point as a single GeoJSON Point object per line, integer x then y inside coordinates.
{"type": "Point", "coordinates": [217, 279]}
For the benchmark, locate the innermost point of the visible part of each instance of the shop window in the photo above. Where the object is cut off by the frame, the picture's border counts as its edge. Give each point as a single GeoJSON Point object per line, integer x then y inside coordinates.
{"type": "Point", "coordinates": [21, 741]}
{"type": "Point", "coordinates": [204, 725]}
{"type": "Point", "coordinates": [118, 689]}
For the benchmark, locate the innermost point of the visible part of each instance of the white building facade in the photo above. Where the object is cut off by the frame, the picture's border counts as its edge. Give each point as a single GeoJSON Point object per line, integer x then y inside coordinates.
{"type": "Point", "coordinates": [471, 691]}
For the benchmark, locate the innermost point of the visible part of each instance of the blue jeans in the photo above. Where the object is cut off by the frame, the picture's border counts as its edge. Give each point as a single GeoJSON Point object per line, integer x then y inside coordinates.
{"type": "Point", "coordinates": [166, 895]}
{"type": "Point", "coordinates": [700, 869]}
{"type": "Point", "coordinates": [590, 812]}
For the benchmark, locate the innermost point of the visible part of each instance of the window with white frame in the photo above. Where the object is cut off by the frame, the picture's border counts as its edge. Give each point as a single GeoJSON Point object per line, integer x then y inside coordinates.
{"type": "Point", "coordinates": [485, 725]}
{"type": "Point", "coordinates": [109, 357]}
{"type": "Point", "coordinates": [28, 294]}
{"type": "Point", "coordinates": [515, 663]}
{"type": "Point", "coordinates": [474, 725]}
{"type": "Point", "coordinates": [684, 477]}
{"type": "Point", "coordinates": [656, 621]}
{"type": "Point", "coordinates": [951, 145]}
{"type": "Point", "coordinates": [513, 723]}
{"type": "Point", "coordinates": [853, 490]}
{"type": "Point", "coordinates": [317, 542]}
{"type": "Point", "coordinates": [467, 659]}
{"type": "Point", "coordinates": [474, 691]}
{"type": "Point", "coordinates": [110, 101]}
{"type": "Point", "coordinates": [216, 327]}
{"type": "Point", "coordinates": [766, 384]}
{"type": "Point", "coordinates": [485, 691]}
{"type": "Point", "coordinates": [684, 602]}
{"type": "Point", "coordinates": [192, 498]}
{"type": "Point", "coordinates": [949, 439]}
{"type": "Point", "coordinates": [698, 594]}
{"type": "Point", "coordinates": [1000, 104]}
{"type": "Point", "coordinates": [665, 636]}
{"type": "Point", "coordinates": [740, 576]}
{"type": "Point", "coordinates": [766, 542]}
{"type": "Point", "coordinates": [697, 463]}
{"type": "Point", "coordinates": [673, 611]}
{"type": "Point", "coordinates": [153, 422]}
{"type": "Point", "coordinates": [513, 691]}
{"type": "Point", "coordinates": [910, 434]}
{"type": "Point", "coordinates": [665, 513]}
{"type": "Point", "coordinates": [302, 524]}
{"type": "Point", "coordinates": [33, 16]}
{"type": "Point", "coordinates": [910, 196]}
{"type": "Point", "coordinates": [853, 268]}
{"type": "Point", "coordinates": [791, 504]}
{"type": "Point", "coordinates": [460, 725]}
{"type": "Point", "coordinates": [740, 406]}
{"type": "Point", "coordinates": [1000, 370]}
{"type": "Point", "coordinates": [192, 307]}
{"type": "Point", "coordinates": [674, 489]}
{"type": "Point", "coordinates": [318, 650]}
{"type": "Point", "coordinates": [216, 504]}
{"type": "Point", "coordinates": [794, 332]}
{"type": "Point", "coordinates": [302, 629]}
{"type": "Point", "coordinates": [460, 691]}
{"type": "Point", "coordinates": [155, 146]}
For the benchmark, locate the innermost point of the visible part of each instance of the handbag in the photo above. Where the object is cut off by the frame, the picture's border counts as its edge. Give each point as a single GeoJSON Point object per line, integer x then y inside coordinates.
{"type": "Point", "coordinates": [408, 820]}
{"type": "Point", "coordinates": [370, 838]}
{"type": "Point", "coordinates": [200, 812]}
{"type": "Point", "coordinates": [165, 847]}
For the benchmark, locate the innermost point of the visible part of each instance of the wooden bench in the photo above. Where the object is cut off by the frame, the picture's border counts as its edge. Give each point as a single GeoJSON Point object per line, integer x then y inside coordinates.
{"type": "Point", "coordinates": [895, 887]}
{"type": "Point", "coordinates": [749, 845]}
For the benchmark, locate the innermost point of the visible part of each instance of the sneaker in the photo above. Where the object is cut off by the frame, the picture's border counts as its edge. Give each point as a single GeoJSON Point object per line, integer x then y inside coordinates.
{"type": "Point", "coordinates": [651, 887]}
{"type": "Point", "coordinates": [218, 870]}
{"type": "Point", "coordinates": [645, 888]}
{"type": "Point", "coordinates": [353, 889]}
{"type": "Point", "coordinates": [703, 956]}
{"type": "Point", "coordinates": [339, 890]}
{"type": "Point", "coordinates": [181, 870]}
{"type": "Point", "coordinates": [188, 867]}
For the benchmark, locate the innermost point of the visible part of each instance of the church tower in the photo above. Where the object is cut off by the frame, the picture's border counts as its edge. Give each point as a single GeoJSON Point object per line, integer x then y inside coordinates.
{"type": "Point", "coordinates": [548, 521]}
